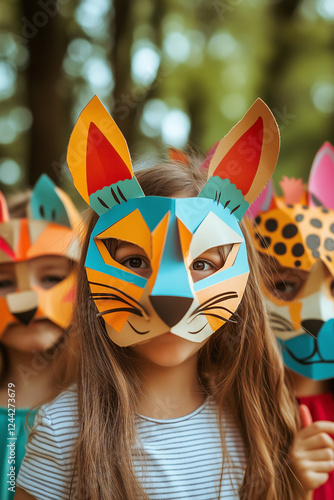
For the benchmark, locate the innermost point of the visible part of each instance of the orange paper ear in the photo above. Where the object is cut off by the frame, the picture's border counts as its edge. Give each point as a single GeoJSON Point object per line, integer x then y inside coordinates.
{"type": "Point", "coordinates": [99, 160]}
{"type": "Point", "coordinates": [4, 214]}
{"type": "Point", "coordinates": [178, 155]}
{"type": "Point", "coordinates": [248, 154]}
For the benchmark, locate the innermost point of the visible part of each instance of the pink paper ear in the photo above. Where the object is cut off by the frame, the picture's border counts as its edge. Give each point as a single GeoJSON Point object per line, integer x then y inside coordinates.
{"type": "Point", "coordinates": [4, 214]}
{"type": "Point", "coordinates": [263, 203]}
{"type": "Point", "coordinates": [321, 179]}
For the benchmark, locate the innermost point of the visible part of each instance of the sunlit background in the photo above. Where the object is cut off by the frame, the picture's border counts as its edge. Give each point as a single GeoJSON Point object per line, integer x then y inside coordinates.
{"type": "Point", "coordinates": [172, 72]}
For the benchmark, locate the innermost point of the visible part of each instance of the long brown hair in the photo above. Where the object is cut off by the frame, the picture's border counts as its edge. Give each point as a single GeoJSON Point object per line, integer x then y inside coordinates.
{"type": "Point", "coordinates": [240, 365]}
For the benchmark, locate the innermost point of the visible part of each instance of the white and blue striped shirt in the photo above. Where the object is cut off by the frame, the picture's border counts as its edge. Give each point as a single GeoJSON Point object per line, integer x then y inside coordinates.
{"type": "Point", "coordinates": [183, 456]}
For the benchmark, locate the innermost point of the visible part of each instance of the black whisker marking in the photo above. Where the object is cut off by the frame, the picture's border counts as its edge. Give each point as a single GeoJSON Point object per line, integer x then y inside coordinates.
{"type": "Point", "coordinates": [121, 309]}
{"type": "Point", "coordinates": [210, 308]}
{"type": "Point", "coordinates": [102, 203]}
{"type": "Point", "coordinates": [229, 201]}
{"type": "Point", "coordinates": [193, 333]}
{"type": "Point", "coordinates": [114, 195]}
{"type": "Point", "coordinates": [107, 296]}
{"type": "Point", "coordinates": [220, 297]}
{"type": "Point", "coordinates": [216, 299]}
{"type": "Point", "coordinates": [219, 317]}
{"type": "Point", "coordinates": [119, 291]}
{"type": "Point", "coordinates": [234, 209]}
{"type": "Point", "coordinates": [137, 331]}
{"type": "Point", "coordinates": [276, 322]}
{"type": "Point", "coordinates": [121, 194]}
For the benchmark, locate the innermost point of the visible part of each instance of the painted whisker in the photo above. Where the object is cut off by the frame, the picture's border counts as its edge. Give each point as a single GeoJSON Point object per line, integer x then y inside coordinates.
{"type": "Point", "coordinates": [121, 309]}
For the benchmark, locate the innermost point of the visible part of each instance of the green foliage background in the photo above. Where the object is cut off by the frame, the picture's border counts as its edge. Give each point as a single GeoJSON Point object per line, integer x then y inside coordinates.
{"type": "Point", "coordinates": [215, 57]}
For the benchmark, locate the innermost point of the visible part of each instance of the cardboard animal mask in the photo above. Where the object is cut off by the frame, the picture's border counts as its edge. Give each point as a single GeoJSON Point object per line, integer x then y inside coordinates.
{"type": "Point", "coordinates": [171, 232]}
{"type": "Point", "coordinates": [298, 230]}
{"type": "Point", "coordinates": [51, 229]}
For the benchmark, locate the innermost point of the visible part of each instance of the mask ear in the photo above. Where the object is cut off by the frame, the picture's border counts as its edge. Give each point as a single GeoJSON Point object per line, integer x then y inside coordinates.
{"type": "Point", "coordinates": [264, 202]}
{"type": "Point", "coordinates": [50, 203]}
{"type": "Point", "coordinates": [178, 155]}
{"type": "Point", "coordinates": [4, 214]}
{"type": "Point", "coordinates": [321, 180]}
{"type": "Point", "coordinates": [244, 160]}
{"type": "Point", "coordinates": [99, 160]}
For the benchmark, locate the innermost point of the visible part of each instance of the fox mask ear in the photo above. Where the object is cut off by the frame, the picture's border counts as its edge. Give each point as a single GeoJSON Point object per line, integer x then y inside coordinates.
{"type": "Point", "coordinates": [49, 202]}
{"type": "Point", "coordinates": [321, 180]}
{"type": "Point", "coordinates": [244, 160]}
{"type": "Point", "coordinates": [99, 160]}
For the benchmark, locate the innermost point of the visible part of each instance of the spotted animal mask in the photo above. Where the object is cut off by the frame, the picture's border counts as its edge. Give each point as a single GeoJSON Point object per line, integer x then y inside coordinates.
{"type": "Point", "coordinates": [171, 232]}
{"type": "Point", "coordinates": [297, 229]}
{"type": "Point", "coordinates": [51, 229]}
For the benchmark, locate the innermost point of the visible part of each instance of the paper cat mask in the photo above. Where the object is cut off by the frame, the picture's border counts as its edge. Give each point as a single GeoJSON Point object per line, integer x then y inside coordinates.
{"type": "Point", "coordinates": [171, 232]}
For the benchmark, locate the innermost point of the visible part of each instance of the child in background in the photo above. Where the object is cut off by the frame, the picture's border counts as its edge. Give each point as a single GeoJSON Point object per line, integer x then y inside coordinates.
{"type": "Point", "coordinates": [180, 390]}
{"type": "Point", "coordinates": [37, 280]}
{"type": "Point", "coordinates": [294, 236]}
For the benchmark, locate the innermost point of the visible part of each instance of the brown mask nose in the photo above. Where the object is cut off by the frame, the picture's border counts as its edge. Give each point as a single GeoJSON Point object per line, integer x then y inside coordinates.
{"type": "Point", "coordinates": [23, 305]}
{"type": "Point", "coordinates": [171, 309]}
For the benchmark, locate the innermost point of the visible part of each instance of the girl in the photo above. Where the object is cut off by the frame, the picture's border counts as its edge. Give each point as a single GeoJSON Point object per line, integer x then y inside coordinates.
{"type": "Point", "coordinates": [180, 388]}
{"type": "Point", "coordinates": [37, 277]}
{"type": "Point", "coordinates": [293, 235]}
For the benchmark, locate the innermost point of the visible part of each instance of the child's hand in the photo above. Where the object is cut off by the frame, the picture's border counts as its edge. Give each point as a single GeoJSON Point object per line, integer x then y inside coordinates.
{"type": "Point", "coordinates": [313, 451]}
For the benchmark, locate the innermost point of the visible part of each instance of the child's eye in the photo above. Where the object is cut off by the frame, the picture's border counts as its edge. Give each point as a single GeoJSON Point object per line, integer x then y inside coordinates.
{"type": "Point", "coordinates": [7, 285]}
{"type": "Point", "coordinates": [202, 265]}
{"type": "Point", "coordinates": [201, 268]}
{"type": "Point", "coordinates": [133, 257]}
{"type": "Point", "coordinates": [135, 262]}
{"type": "Point", "coordinates": [286, 290]}
{"type": "Point", "coordinates": [331, 287]}
{"type": "Point", "coordinates": [51, 280]}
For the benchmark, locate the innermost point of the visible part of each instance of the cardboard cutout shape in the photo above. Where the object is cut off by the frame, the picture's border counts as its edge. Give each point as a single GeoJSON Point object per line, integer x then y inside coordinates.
{"type": "Point", "coordinates": [52, 229]}
{"type": "Point", "coordinates": [298, 232]}
{"type": "Point", "coordinates": [170, 232]}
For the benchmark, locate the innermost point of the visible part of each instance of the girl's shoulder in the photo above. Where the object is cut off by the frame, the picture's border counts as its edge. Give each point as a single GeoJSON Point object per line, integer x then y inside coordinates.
{"type": "Point", "coordinates": [61, 412]}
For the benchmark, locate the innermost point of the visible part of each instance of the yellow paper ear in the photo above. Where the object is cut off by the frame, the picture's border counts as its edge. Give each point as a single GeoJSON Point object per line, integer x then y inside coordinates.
{"type": "Point", "coordinates": [248, 154]}
{"type": "Point", "coordinates": [97, 154]}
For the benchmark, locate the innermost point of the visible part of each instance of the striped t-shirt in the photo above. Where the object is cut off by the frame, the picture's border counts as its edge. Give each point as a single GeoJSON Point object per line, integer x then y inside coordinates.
{"type": "Point", "coordinates": [183, 456]}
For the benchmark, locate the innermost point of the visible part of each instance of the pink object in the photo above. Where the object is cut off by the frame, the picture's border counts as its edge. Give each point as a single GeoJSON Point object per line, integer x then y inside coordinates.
{"type": "Point", "coordinates": [293, 190]}
{"type": "Point", "coordinates": [206, 162]}
{"type": "Point", "coordinates": [321, 180]}
{"type": "Point", "coordinates": [262, 202]}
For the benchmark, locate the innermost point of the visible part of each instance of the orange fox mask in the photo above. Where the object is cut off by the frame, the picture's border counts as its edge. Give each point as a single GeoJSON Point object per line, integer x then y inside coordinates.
{"type": "Point", "coordinates": [51, 229]}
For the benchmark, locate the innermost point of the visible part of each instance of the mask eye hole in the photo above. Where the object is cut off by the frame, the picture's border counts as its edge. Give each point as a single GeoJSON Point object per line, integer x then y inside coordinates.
{"type": "Point", "coordinates": [131, 256]}
{"type": "Point", "coordinates": [111, 245]}
{"type": "Point", "coordinates": [331, 287]}
{"type": "Point", "coordinates": [284, 283]}
{"type": "Point", "coordinates": [7, 283]}
{"type": "Point", "coordinates": [210, 261]}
